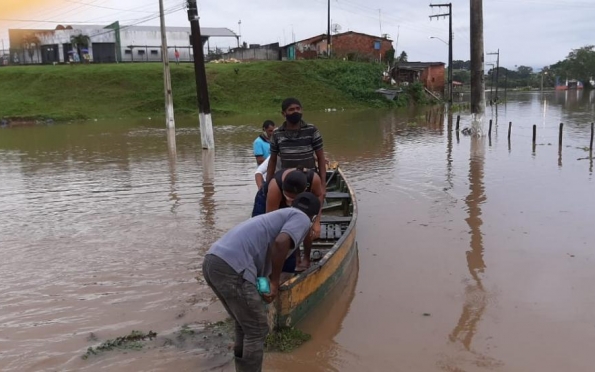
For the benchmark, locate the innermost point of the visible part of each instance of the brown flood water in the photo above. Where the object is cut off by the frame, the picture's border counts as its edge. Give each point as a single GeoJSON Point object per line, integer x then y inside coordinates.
{"type": "Point", "coordinates": [474, 255]}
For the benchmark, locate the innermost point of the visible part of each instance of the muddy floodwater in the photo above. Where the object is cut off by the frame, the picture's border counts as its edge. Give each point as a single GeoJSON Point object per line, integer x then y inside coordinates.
{"type": "Point", "coordinates": [475, 254]}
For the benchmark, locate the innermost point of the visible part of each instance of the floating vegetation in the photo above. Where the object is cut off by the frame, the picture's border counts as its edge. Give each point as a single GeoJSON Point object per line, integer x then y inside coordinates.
{"type": "Point", "coordinates": [286, 340]}
{"type": "Point", "coordinates": [133, 341]}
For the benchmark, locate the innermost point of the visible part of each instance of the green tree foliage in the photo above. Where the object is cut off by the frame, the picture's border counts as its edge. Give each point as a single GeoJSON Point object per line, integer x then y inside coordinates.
{"type": "Point", "coordinates": [579, 64]}
{"type": "Point", "coordinates": [402, 57]}
{"type": "Point", "coordinates": [461, 65]}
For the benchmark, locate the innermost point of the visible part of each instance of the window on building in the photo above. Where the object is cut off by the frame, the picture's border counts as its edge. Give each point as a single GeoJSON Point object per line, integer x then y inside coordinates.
{"type": "Point", "coordinates": [377, 45]}
{"type": "Point", "coordinates": [154, 52]}
{"type": "Point", "coordinates": [128, 51]}
{"type": "Point", "coordinates": [141, 52]}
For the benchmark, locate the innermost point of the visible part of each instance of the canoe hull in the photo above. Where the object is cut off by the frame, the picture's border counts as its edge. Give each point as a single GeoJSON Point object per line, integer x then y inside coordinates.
{"type": "Point", "coordinates": [303, 292]}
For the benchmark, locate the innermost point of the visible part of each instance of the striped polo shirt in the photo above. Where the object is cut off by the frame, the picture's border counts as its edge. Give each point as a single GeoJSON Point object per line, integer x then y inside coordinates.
{"type": "Point", "coordinates": [296, 147]}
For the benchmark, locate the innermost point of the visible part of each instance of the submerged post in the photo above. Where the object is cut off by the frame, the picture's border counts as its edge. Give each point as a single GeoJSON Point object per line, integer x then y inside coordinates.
{"type": "Point", "coordinates": [560, 135]}
{"type": "Point", "coordinates": [509, 129]}
{"type": "Point", "coordinates": [458, 122]}
{"type": "Point", "coordinates": [534, 134]}
{"type": "Point", "coordinates": [591, 143]}
{"type": "Point", "coordinates": [490, 129]}
{"type": "Point", "coordinates": [202, 92]}
{"type": "Point", "coordinates": [169, 101]}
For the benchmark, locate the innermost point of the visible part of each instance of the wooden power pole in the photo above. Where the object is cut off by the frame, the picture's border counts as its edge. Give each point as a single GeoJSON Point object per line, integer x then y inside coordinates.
{"type": "Point", "coordinates": [328, 31]}
{"type": "Point", "coordinates": [169, 101]}
{"type": "Point", "coordinates": [477, 58]}
{"type": "Point", "coordinates": [202, 91]}
{"type": "Point", "coordinates": [450, 69]}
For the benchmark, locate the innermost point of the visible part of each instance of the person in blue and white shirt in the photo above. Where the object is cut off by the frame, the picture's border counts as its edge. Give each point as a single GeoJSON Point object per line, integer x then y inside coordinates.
{"type": "Point", "coordinates": [262, 145]}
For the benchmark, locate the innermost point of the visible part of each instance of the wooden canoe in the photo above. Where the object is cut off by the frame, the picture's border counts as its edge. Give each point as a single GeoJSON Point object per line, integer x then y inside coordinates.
{"type": "Point", "coordinates": [331, 256]}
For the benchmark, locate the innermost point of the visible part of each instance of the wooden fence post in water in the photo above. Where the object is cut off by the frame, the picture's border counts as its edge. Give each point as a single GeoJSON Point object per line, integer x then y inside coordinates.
{"type": "Point", "coordinates": [560, 135]}
{"type": "Point", "coordinates": [490, 129]}
{"type": "Point", "coordinates": [534, 133]}
{"type": "Point", "coordinates": [509, 130]}
{"type": "Point", "coordinates": [458, 121]}
{"type": "Point", "coordinates": [591, 143]}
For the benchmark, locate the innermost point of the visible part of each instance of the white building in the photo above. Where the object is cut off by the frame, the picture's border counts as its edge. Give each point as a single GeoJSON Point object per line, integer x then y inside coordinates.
{"type": "Point", "coordinates": [107, 43]}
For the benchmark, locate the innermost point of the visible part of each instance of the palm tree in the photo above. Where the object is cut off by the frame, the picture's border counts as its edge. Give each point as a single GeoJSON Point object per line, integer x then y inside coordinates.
{"type": "Point", "coordinates": [80, 41]}
{"type": "Point", "coordinates": [30, 43]}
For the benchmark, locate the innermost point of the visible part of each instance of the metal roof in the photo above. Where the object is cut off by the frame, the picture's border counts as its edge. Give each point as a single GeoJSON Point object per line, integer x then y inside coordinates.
{"type": "Point", "coordinates": [205, 31]}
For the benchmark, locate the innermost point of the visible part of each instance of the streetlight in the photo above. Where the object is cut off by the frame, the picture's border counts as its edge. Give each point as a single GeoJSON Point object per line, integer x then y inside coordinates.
{"type": "Point", "coordinates": [450, 70]}
{"type": "Point", "coordinates": [435, 37]}
{"type": "Point", "coordinates": [542, 73]}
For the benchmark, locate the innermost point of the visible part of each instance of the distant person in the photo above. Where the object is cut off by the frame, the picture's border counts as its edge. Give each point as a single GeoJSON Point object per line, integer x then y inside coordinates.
{"type": "Point", "coordinates": [255, 248]}
{"type": "Point", "coordinates": [177, 55]}
{"type": "Point", "coordinates": [296, 142]}
{"type": "Point", "coordinates": [262, 144]}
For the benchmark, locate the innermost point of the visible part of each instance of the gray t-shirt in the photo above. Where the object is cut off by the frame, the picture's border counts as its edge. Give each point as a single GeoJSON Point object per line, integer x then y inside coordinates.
{"type": "Point", "coordinates": [245, 246]}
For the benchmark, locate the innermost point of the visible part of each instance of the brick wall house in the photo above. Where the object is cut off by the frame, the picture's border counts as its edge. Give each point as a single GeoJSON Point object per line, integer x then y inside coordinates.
{"type": "Point", "coordinates": [351, 45]}
{"type": "Point", "coordinates": [430, 74]}
{"type": "Point", "coordinates": [358, 45]}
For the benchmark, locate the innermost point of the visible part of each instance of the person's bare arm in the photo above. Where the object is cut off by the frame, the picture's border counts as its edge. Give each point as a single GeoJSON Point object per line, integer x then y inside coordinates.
{"type": "Point", "coordinates": [259, 180]}
{"type": "Point", "coordinates": [272, 165]}
{"type": "Point", "coordinates": [321, 167]}
{"type": "Point", "coordinates": [280, 248]}
{"type": "Point", "coordinates": [273, 196]}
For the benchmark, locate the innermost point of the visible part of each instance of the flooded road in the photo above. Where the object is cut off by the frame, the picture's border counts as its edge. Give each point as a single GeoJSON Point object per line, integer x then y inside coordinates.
{"type": "Point", "coordinates": [474, 254]}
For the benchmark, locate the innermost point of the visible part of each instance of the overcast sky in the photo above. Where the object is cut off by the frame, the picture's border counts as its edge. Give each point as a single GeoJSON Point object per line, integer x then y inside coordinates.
{"type": "Point", "coordinates": [527, 32]}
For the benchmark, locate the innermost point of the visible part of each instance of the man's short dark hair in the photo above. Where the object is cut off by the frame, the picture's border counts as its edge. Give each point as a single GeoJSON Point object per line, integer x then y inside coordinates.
{"type": "Point", "coordinates": [288, 102]}
{"type": "Point", "coordinates": [268, 123]}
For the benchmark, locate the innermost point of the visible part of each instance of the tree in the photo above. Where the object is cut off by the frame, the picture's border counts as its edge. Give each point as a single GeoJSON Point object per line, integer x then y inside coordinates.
{"type": "Point", "coordinates": [580, 63]}
{"type": "Point", "coordinates": [80, 41]}
{"type": "Point", "coordinates": [30, 43]}
{"type": "Point", "coordinates": [524, 71]}
{"type": "Point", "coordinates": [402, 57]}
{"type": "Point", "coordinates": [461, 65]}
{"type": "Point", "coordinates": [389, 56]}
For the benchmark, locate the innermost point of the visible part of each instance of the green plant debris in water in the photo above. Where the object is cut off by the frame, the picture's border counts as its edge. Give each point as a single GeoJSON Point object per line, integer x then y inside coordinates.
{"type": "Point", "coordinates": [133, 341]}
{"type": "Point", "coordinates": [286, 340]}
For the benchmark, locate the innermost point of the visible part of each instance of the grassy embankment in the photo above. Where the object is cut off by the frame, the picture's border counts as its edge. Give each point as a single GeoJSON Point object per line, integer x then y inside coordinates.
{"type": "Point", "coordinates": [136, 90]}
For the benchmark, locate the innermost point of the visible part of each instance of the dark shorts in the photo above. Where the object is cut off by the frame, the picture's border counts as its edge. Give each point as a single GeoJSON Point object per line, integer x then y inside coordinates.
{"type": "Point", "coordinates": [260, 207]}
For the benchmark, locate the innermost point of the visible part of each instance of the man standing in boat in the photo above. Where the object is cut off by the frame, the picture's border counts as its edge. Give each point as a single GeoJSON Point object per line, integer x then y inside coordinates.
{"type": "Point", "coordinates": [296, 142]}
{"type": "Point", "coordinates": [254, 249]}
{"type": "Point", "coordinates": [262, 145]}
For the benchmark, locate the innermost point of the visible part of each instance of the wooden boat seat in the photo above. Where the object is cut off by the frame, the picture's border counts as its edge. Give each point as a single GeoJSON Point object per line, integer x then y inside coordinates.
{"type": "Point", "coordinates": [335, 219]}
{"type": "Point", "coordinates": [337, 195]}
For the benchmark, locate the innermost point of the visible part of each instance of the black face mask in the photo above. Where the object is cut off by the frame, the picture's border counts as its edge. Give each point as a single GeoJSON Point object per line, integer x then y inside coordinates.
{"type": "Point", "coordinates": [294, 118]}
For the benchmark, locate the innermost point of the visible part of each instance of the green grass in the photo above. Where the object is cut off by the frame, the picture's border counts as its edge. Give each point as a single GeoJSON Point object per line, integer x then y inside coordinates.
{"type": "Point", "coordinates": [136, 90]}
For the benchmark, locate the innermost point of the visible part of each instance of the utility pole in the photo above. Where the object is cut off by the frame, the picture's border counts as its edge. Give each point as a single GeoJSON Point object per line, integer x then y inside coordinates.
{"type": "Point", "coordinates": [202, 92]}
{"type": "Point", "coordinates": [240, 30]}
{"type": "Point", "coordinates": [497, 72]}
{"type": "Point", "coordinates": [449, 15]}
{"type": "Point", "coordinates": [169, 101]}
{"type": "Point", "coordinates": [491, 83]}
{"type": "Point", "coordinates": [328, 35]}
{"type": "Point", "coordinates": [477, 58]}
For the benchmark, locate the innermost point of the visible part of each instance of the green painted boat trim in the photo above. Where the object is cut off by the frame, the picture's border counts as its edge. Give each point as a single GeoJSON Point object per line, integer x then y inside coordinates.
{"type": "Point", "coordinates": [314, 299]}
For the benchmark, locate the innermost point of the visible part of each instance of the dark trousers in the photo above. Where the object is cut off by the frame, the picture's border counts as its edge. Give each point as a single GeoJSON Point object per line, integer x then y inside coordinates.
{"type": "Point", "coordinates": [246, 307]}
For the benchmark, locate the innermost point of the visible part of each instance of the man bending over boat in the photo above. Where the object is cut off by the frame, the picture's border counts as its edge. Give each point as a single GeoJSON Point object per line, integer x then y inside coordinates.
{"type": "Point", "coordinates": [254, 249]}
{"type": "Point", "coordinates": [280, 193]}
{"type": "Point", "coordinates": [296, 142]}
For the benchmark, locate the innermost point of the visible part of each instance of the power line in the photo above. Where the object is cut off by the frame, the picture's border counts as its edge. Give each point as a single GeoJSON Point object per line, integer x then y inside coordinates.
{"type": "Point", "coordinates": [106, 7]}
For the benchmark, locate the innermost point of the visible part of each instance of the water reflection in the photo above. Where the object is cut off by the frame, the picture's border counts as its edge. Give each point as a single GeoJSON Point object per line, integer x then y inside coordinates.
{"type": "Point", "coordinates": [172, 156]}
{"type": "Point", "coordinates": [475, 294]}
{"type": "Point", "coordinates": [323, 352]}
{"type": "Point", "coordinates": [207, 202]}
